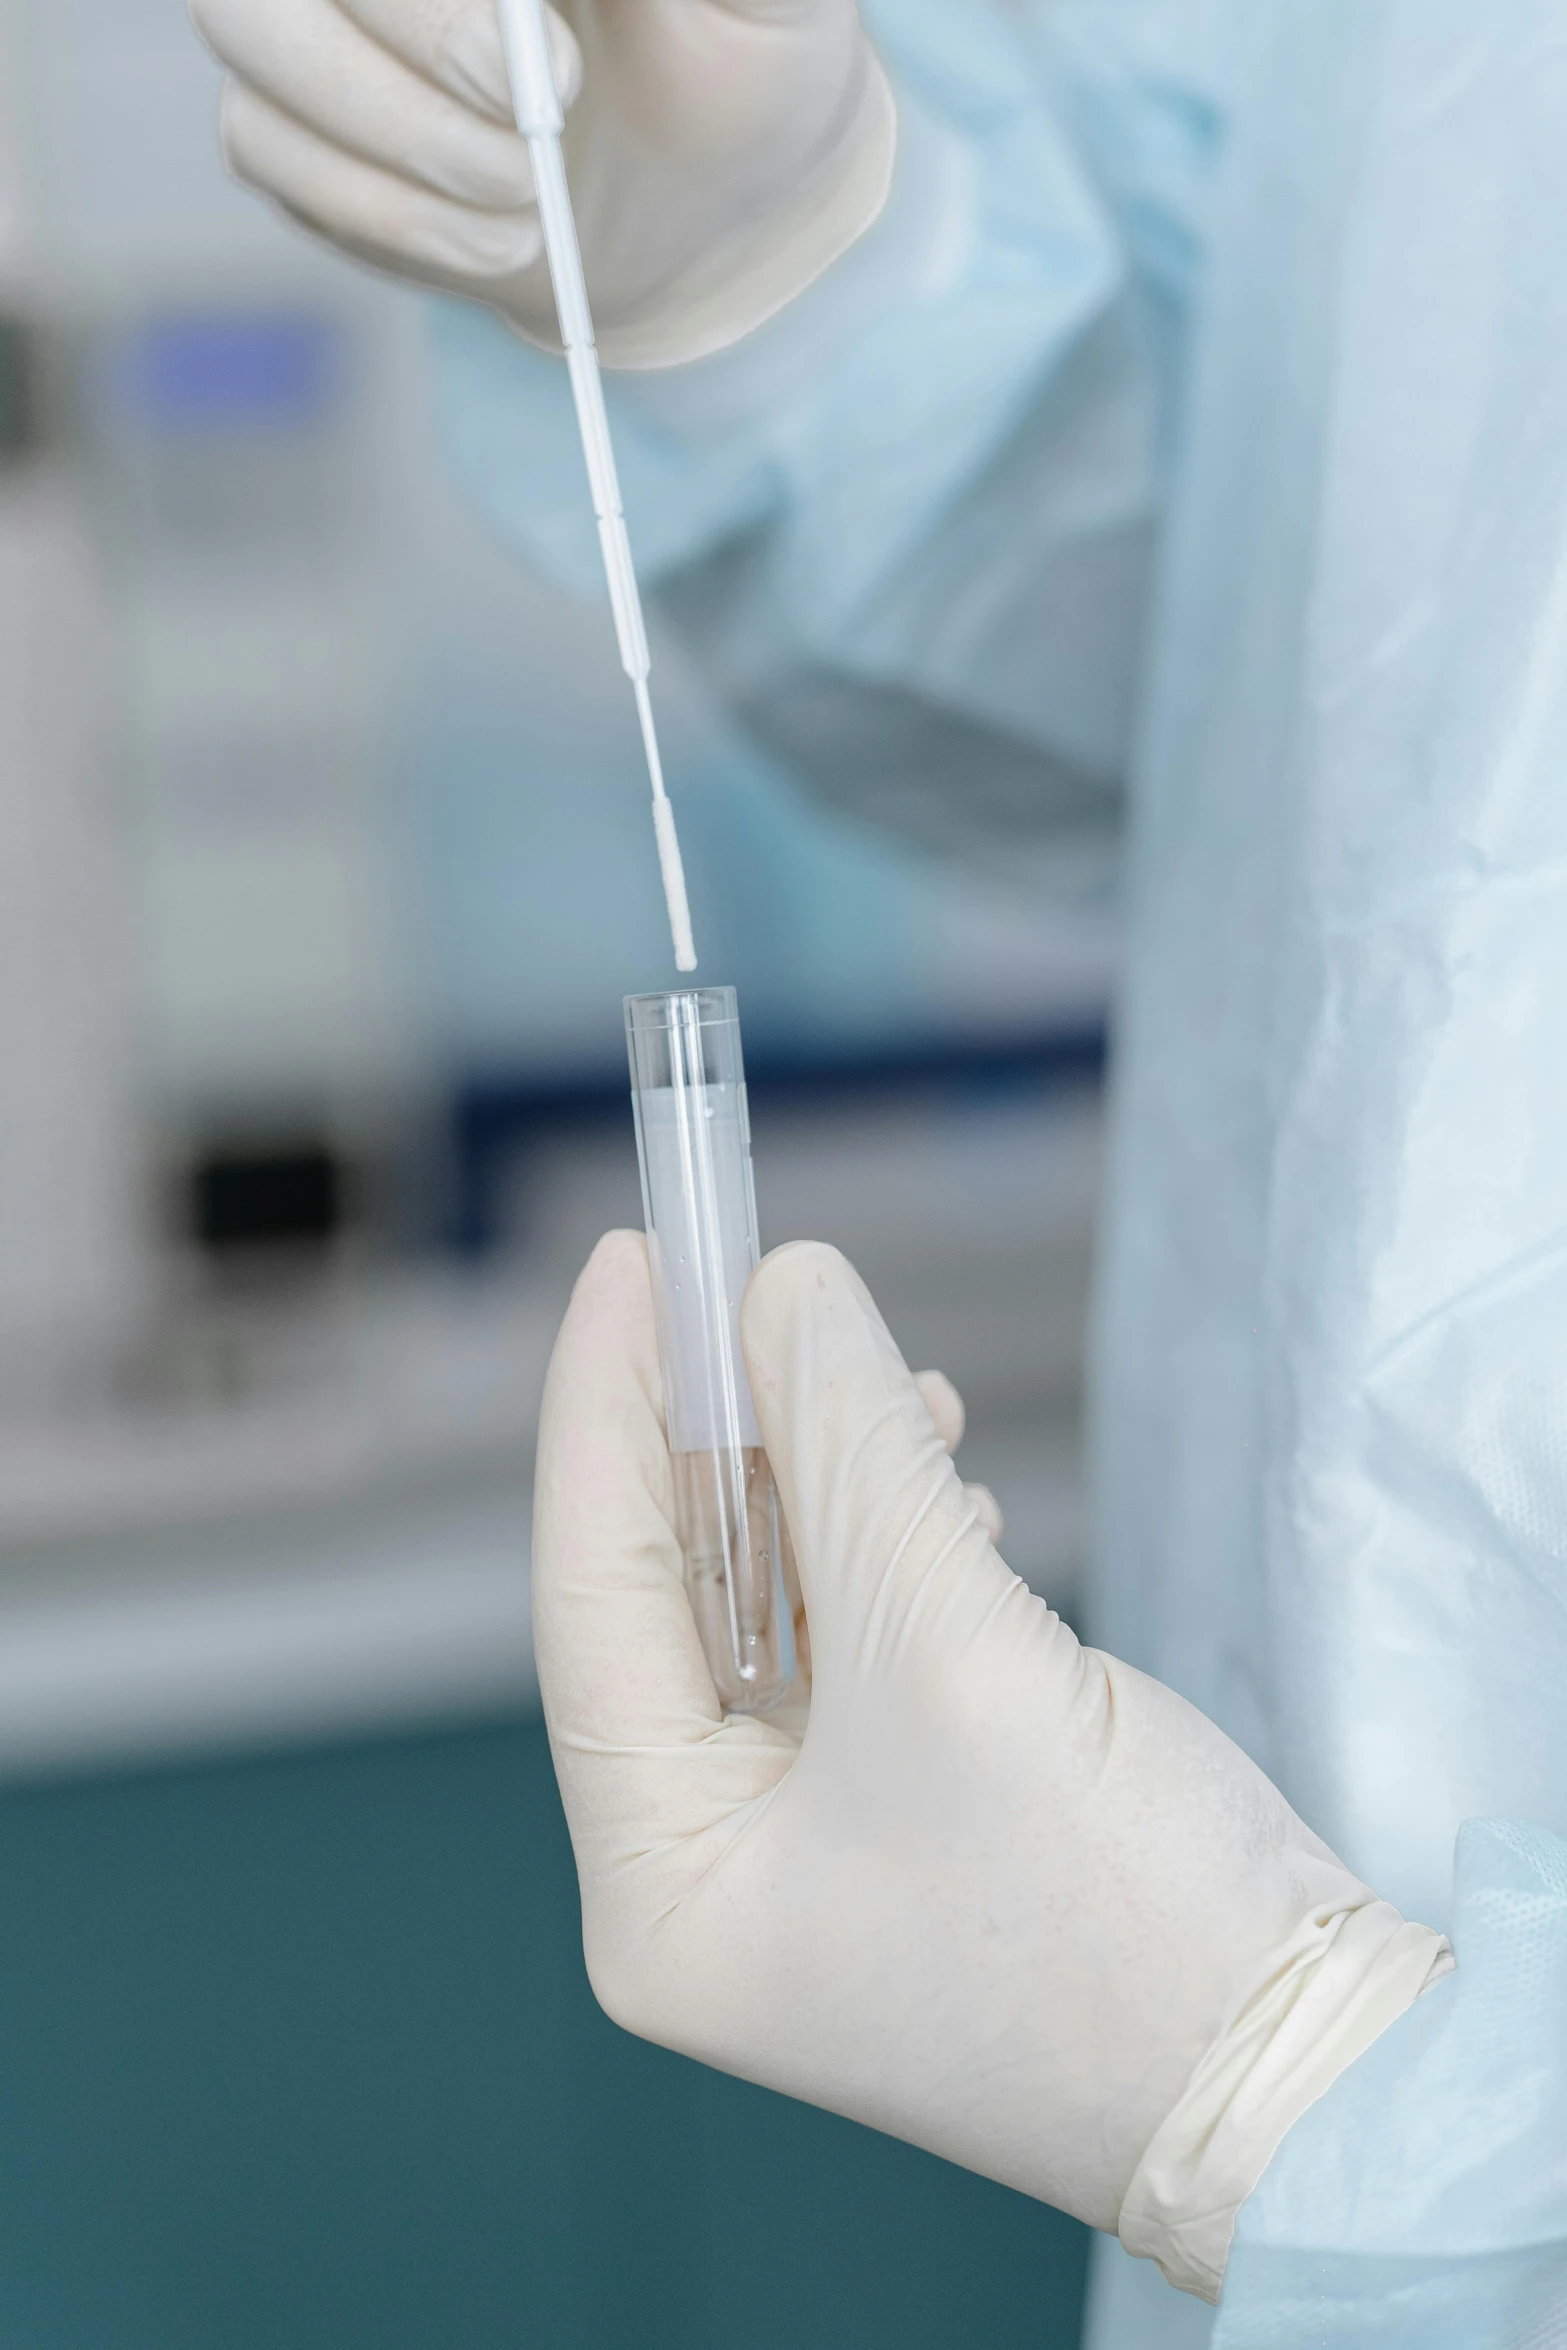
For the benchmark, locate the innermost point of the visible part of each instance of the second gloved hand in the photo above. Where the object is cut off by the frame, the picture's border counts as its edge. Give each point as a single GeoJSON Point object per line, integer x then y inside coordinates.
{"type": "Point", "coordinates": [1004, 1896]}
{"type": "Point", "coordinates": [721, 152]}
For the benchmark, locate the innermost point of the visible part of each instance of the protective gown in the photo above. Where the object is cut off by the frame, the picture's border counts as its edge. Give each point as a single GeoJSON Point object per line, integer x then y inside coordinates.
{"type": "Point", "coordinates": [1293, 276]}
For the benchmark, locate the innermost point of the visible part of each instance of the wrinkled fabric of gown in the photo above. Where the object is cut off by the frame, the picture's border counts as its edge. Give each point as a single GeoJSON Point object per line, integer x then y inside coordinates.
{"type": "Point", "coordinates": [1300, 268]}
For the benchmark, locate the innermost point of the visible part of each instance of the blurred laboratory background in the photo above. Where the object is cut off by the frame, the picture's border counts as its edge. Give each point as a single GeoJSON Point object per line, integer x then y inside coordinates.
{"type": "Point", "coordinates": [324, 864]}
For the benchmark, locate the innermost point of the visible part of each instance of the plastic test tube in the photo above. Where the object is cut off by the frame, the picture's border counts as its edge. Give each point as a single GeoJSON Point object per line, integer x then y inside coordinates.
{"type": "Point", "coordinates": [699, 1199]}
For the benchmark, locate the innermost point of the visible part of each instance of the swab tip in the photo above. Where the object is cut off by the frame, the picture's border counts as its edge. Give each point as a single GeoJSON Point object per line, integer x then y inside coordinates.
{"type": "Point", "coordinates": [674, 878]}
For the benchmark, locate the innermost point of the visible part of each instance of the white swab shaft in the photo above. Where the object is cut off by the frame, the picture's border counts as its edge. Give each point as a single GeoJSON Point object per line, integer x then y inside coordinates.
{"type": "Point", "coordinates": [541, 121]}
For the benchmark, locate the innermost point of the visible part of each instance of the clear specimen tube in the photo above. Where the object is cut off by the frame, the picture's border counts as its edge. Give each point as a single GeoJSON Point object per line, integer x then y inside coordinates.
{"type": "Point", "coordinates": [699, 1200]}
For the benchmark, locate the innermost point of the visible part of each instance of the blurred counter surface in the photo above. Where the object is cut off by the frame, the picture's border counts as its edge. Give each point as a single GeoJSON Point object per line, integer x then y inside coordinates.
{"type": "Point", "coordinates": [296, 1502]}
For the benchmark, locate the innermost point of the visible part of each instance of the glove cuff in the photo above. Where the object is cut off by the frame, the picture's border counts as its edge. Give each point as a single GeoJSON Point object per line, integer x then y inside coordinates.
{"type": "Point", "coordinates": [1317, 2002]}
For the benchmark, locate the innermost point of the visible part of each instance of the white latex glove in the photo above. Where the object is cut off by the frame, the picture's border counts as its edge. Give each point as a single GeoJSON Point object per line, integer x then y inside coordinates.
{"type": "Point", "coordinates": [1004, 1896]}
{"type": "Point", "coordinates": [721, 152]}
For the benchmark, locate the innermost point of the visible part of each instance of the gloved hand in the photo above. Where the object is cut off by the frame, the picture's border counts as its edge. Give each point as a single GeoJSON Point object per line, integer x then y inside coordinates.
{"type": "Point", "coordinates": [721, 152]}
{"type": "Point", "coordinates": [990, 1891]}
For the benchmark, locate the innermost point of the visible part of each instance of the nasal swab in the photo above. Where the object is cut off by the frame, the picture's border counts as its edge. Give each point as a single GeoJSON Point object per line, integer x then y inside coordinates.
{"type": "Point", "coordinates": [541, 121]}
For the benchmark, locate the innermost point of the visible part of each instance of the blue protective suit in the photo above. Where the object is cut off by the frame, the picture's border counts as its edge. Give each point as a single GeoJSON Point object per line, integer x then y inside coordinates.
{"type": "Point", "coordinates": [1297, 271]}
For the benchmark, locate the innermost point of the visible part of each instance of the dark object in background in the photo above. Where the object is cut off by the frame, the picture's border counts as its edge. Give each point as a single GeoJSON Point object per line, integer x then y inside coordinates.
{"type": "Point", "coordinates": [299, 2054]}
{"type": "Point", "coordinates": [19, 395]}
{"type": "Point", "coordinates": [296, 1195]}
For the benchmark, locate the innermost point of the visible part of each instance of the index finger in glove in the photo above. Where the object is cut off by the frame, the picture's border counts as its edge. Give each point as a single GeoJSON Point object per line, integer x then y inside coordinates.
{"type": "Point", "coordinates": [323, 71]}
{"type": "Point", "coordinates": [457, 44]}
{"type": "Point", "coordinates": [884, 1533]}
{"type": "Point", "coordinates": [945, 1406]}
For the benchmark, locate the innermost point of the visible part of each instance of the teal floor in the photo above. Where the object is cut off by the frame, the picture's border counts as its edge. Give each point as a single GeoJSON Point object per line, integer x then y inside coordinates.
{"type": "Point", "coordinates": [299, 2052]}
